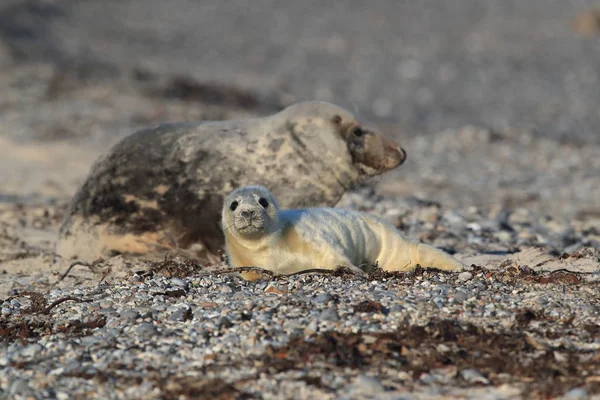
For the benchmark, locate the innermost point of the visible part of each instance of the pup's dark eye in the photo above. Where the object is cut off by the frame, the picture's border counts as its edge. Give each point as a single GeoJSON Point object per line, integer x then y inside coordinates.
{"type": "Point", "coordinates": [263, 202]}
{"type": "Point", "coordinates": [357, 131]}
{"type": "Point", "coordinates": [233, 206]}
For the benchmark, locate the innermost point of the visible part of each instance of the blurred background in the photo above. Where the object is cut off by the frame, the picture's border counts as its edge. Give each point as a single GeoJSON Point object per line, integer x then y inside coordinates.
{"type": "Point", "coordinates": [497, 102]}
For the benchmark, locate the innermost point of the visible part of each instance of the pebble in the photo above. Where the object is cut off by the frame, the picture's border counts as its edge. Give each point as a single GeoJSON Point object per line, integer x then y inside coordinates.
{"type": "Point", "coordinates": [365, 385]}
{"type": "Point", "coordinates": [226, 289]}
{"type": "Point", "coordinates": [181, 314]}
{"type": "Point", "coordinates": [106, 304]}
{"type": "Point", "coordinates": [73, 365]}
{"type": "Point", "coordinates": [503, 236]}
{"type": "Point", "coordinates": [225, 323]}
{"type": "Point", "coordinates": [460, 296]}
{"type": "Point", "coordinates": [323, 298]}
{"type": "Point", "coordinates": [89, 341]}
{"type": "Point", "coordinates": [62, 396]}
{"type": "Point", "coordinates": [130, 315]}
{"type": "Point", "coordinates": [179, 282]}
{"type": "Point", "coordinates": [465, 276]}
{"type": "Point", "coordinates": [576, 393]}
{"type": "Point", "coordinates": [19, 387]}
{"type": "Point", "coordinates": [473, 376]}
{"type": "Point", "coordinates": [32, 350]}
{"type": "Point", "coordinates": [329, 315]}
{"type": "Point", "coordinates": [146, 329]}
{"type": "Point", "coordinates": [311, 327]}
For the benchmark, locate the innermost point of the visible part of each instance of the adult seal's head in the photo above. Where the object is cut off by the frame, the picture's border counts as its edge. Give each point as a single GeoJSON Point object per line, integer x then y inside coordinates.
{"type": "Point", "coordinates": [322, 128]}
{"type": "Point", "coordinates": [161, 189]}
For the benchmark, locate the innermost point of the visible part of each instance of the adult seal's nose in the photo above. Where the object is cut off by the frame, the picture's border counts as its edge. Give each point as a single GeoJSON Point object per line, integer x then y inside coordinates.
{"type": "Point", "coordinates": [402, 156]}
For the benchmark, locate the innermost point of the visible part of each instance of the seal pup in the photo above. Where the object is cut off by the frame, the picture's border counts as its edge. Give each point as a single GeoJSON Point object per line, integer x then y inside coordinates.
{"type": "Point", "coordinates": [161, 189]}
{"type": "Point", "coordinates": [259, 234]}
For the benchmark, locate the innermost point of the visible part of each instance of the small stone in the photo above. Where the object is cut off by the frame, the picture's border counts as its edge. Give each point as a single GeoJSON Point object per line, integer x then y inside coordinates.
{"type": "Point", "coordinates": [32, 350]}
{"type": "Point", "coordinates": [368, 339]}
{"type": "Point", "coordinates": [273, 289]}
{"type": "Point", "coordinates": [454, 219]}
{"type": "Point", "coordinates": [323, 298]}
{"type": "Point", "coordinates": [365, 385]}
{"type": "Point", "coordinates": [460, 296]}
{"type": "Point", "coordinates": [131, 315]}
{"type": "Point", "coordinates": [146, 329]}
{"type": "Point", "coordinates": [89, 341]}
{"type": "Point", "coordinates": [473, 376]}
{"type": "Point", "coordinates": [144, 312]}
{"type": "Point", "coordinates": [397, 308]}
{"type": "Point", "coordinates": [106, 304]}
{"type": "Point", "coordinates": [576, 393]}
{"type": "Point", "coordinates": [465, 276]}
{"type": "Point", "coordinates": [225, 323]}
{"type": "Point", "coordinates": [200, 313]}
{"type": "Point", "coordinates": [560, 357]}
{"type": "Point", "coordinates": [72, 365]}
{"type": "Point", "coordinates": [62, 396]}
{"type": "Point", "coordinates": [442, 348]}
{"type": "Point", "coordinates": [329, 315]}
{"type": "Point", "coordinates": [311, 328]}
{"type": "Point", "coordinates": [183, 314]}
{"type": "Point", "coordinates": [19, 387]}
{"type": "Point", "coordinates": [226, 289]}
{"type": "Point", "coordinates": [114, 332]}
{"type": "Point", "coordinates": [179, 282]}
{"type": "Point", "coordinates": [503, 236]}
{"type": "Point", "coordinates": [474, 226]}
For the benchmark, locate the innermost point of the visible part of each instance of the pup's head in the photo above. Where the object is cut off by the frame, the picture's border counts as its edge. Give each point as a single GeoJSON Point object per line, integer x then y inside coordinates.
{"type": "Point", "coordinates": [250, 212]}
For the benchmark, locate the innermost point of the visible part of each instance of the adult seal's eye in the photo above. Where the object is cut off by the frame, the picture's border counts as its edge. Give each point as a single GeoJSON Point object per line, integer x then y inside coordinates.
{"type": "Point", "coordinates": [233, 206]}
{"type": "Point", "coordinates": [263, 202]}
{"type": "Point", "coordinates": [357, 131]}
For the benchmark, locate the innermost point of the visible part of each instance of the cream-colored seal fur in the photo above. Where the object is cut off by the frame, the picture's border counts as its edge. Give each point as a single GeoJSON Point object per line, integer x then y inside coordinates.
{"type": "Point", "coordinates": [259, 234]}
{"type": "Point", "coordinates": [161, 189]}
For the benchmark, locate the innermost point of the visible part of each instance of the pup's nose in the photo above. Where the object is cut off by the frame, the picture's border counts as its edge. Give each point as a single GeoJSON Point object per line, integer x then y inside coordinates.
{"type": "Point", "coordinates": [247, 214]}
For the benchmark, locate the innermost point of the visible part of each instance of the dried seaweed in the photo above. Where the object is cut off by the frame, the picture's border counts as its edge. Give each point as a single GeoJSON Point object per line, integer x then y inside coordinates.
{"type": "Point", "coordinates": [413, 349]}
{"type": "Point", "coordinates": [174, 268]}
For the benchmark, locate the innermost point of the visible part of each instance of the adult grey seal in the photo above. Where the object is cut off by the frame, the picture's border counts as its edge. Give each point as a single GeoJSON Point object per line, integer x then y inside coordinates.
{"type": "Point", "coordinates": [161, 189]}
{"type": "Point", "coordinates": [259, 234]}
